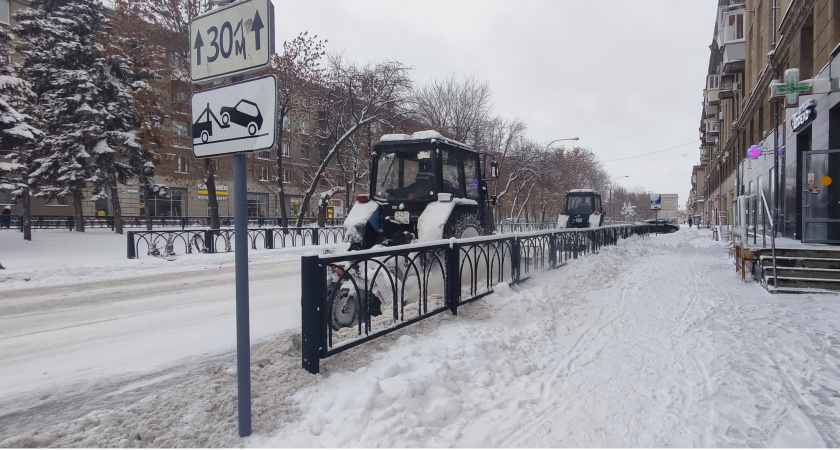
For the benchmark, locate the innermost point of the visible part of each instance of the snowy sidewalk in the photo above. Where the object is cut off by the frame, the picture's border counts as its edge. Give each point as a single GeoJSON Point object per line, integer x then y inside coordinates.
{"type": "Point", "coordinates": [654, 342]}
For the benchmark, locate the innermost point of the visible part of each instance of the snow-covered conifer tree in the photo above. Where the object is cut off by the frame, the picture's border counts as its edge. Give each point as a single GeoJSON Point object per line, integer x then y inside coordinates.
{"type": "Point", "coordinates": [17, 132]}
{"type": "Point", "coordinates": [64, 62]}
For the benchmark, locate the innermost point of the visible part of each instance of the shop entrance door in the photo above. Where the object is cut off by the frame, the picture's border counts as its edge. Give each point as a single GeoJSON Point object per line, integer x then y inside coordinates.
{"type": "Point", "coordinates": [821, 196]}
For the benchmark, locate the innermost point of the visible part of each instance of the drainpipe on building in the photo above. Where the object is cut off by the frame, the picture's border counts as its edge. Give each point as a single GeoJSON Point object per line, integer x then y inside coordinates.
{"type": "Point", "coordinates": [720, 191]}
{"type": "Point", "coordinates": [775, 123]}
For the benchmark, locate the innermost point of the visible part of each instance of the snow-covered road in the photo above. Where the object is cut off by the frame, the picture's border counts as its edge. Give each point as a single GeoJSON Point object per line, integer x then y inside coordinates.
{"type": "Point", "coordinates": [62, 343]}
{"type": "Point", "coordinates": [653, 342]}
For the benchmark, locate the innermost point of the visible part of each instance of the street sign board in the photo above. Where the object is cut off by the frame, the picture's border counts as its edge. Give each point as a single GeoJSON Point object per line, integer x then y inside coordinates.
{"type": "Point", "coordinates": [231, 40]}
{"type": "Point", "coordinates": [655, 201]}
{"type": "Point", "coordinates": [238, 117]}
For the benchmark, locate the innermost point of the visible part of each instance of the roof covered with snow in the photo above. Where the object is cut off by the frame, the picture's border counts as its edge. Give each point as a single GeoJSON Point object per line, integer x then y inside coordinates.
{"type": "Point", "coordinates": [422, 135]}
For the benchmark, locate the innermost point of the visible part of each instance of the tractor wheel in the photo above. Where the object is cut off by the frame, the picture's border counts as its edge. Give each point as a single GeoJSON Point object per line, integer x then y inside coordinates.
{"type": "Point", "coordinates": [462, 225]}
{"type": "Point", "coordinates": [345, 307]}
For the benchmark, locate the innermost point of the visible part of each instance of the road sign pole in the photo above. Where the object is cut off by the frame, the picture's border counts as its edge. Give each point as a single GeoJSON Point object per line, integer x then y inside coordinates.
{"type": "Point", "coordinates": [243, 329]}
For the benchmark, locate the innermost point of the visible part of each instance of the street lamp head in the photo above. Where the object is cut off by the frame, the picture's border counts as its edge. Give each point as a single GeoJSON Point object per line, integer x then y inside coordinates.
{"type": "Point", "coordinates": [558, 140]}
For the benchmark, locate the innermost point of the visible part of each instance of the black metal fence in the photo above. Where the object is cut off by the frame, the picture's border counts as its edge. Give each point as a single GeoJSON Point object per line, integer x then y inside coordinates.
{"type": "Point", "coordinates": [354, 297]}
{"type": "Point", "coordinates": [518, 227]}
{"type": "Point", "coordinates": [69, 222]}
{"type": "Point", "coordinates": [168, 243]}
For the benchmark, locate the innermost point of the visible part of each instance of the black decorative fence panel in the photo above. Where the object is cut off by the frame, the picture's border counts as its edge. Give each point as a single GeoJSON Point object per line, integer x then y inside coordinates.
{"type": "Point", "coordinates": [354, 297]}
{"type": "Point", "coordinates": [169, 243]}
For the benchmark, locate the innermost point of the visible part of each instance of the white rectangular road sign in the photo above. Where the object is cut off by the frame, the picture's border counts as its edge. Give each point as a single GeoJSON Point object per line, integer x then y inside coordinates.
{"type": "Point", "coordinates": [655, 201]}
{"type": "Point", "coordinates": [239, 117]}
{"type": "Point", "coordinates": [231, 40]}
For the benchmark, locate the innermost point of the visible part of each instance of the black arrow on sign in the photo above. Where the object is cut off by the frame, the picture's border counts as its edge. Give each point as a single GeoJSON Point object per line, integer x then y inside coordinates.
{"type": "Point", "coordinates": [198, 44]}
{"type": "Point", "coordinates": [256, 27]}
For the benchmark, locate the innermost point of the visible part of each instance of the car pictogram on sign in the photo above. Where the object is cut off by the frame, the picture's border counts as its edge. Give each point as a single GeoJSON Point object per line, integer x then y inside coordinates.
{"type": "Point", "coordinates": [235, 118]}
{"type": "Point", "coordinates": [245, 114]}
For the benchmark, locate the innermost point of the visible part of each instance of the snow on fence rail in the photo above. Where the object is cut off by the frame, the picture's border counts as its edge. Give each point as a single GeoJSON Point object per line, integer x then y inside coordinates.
{"type": "Point", "coordinates": [69, 222]}
{"type": "Point", "coordinates": [169, 243]}
{"type": "Point", "coordinates": [354, 297]}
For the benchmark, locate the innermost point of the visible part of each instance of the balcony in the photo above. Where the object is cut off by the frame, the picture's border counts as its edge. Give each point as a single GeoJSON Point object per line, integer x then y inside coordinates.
{"type": "Point", "coordinates": [712, 126]}
{"type": "Point", "coordinates": [728, 86]}
{"type": "Point", "coordinates": [733, 57]}
{"type": "Point", "coordinates": [711, 110]}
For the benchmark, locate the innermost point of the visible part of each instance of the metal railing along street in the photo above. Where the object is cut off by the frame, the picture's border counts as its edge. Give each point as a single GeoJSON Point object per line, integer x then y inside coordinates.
{"type": "Point", "coordinates": [353, 297]}
{"type": "Point", "coordinates": [169, 243]}
{"type": "Point", "coordinates": [69, 222]}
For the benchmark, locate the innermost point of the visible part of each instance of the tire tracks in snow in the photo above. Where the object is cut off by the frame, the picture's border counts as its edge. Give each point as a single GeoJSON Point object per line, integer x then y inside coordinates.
{"type": "Point", "coordinates": [799, 399]}
{"type": "Point", "coordinates": [563, 369]}
{"type": "Point", "coordinates": [574, 354]}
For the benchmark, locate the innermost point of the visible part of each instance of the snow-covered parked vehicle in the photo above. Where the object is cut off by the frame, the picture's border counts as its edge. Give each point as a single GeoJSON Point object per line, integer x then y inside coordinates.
{"type": "Point", "coordinates": [583, 210]}
{"type": "Point", "coordinates": [423, 187]}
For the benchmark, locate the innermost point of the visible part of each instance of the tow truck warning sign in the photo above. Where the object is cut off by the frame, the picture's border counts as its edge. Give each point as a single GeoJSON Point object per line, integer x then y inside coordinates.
{"type": "Point", "coordinates": [238, 117]}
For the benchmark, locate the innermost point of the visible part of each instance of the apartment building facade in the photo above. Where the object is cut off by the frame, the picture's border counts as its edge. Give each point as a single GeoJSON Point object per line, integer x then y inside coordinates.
{"type": "Point", "coordinates": [771, 121]}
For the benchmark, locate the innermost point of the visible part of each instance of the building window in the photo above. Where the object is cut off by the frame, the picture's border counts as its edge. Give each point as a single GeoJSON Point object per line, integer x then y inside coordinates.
{"type": "Point", "coordinates": [304, 151]}
{"type": "Point", "coordinates": [713, 82]}
{"type": "Point", "coordinates": [6, 197]}
{"type": "Point", "coordinates": [287, 176]}
{"type": "Point", "coordinates": [181, 165]}
{"type": "Point", "coordinates": [304, 102]}
{"type": "Point", "coordinates": [734, 27]}
{"type": "Point", "coordinates": [293, 205]}
{"type": "Point", "coordinates": [179, 97]}
{"type": "Point", "coordinates": [179, 135]}
{"type": "Point", "coordinates": [172, 206]}
{"type": "Point", "coordinates": [287, 124]}
{"type": "Point", "coordinates": [60, 200]}
{"type": "Point", "coordinates": [257, 205]}
{"type": "Point", "coordinates": [284, 148]}
{"type": "Point", "coordinates": [304, 127]}
{"type": "Point", "coordinates": [264, 155]}
{"type": "Point", "coordinates": [263, 173]}
{"type": "Point", "coordinates": [4, 12]}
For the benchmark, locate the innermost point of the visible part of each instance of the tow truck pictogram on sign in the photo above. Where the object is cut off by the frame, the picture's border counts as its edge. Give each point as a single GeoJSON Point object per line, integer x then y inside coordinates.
{"type": "Point", "coordinates": [235, 118]}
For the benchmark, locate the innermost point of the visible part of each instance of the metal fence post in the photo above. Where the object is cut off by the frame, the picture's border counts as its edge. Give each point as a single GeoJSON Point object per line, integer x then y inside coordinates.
{"type": "Point", "coordinates": [208, 241]}
{"type": "Point", "coordinates": [313, 276]}
{"type": "Point", "coordinates": [269, 238]}
{"type": "Point", "coordinates": [515, 259]}
{"type": "Point", "coordinates": [552, 249]}
{"type": "Point", "coordinates": [130, 238]}
{"type": "Point", "coordinates": [315, 232]}
{"type": "Point", "coordinates": [453, 277]}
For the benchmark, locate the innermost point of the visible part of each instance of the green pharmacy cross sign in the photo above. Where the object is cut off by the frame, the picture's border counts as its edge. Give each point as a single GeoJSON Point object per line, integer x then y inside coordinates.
{"type": "Point", "coordinates": [791, 89]}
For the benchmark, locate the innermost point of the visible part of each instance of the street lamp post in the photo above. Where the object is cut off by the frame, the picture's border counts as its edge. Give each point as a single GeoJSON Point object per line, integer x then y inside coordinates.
{"type": "Point", "coordinates": [558, 140]}
{"type": "Point", "coordinates": [545, 151]}
{"type": "Point", "coordinates": [612, 217]}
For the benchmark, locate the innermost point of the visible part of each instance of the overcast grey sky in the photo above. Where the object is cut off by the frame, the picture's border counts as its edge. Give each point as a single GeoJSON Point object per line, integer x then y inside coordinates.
{"type": "Point", "coordinates": [626, 76]}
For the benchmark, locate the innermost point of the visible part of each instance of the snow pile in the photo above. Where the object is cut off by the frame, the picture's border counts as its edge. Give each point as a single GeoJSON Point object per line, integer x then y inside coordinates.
{"type": "Point", "coordinates": [654, 342]}
{"type": "Point", "coordinates": [430, 224]}
{"type": "Point", "coordinates": [59, 257]}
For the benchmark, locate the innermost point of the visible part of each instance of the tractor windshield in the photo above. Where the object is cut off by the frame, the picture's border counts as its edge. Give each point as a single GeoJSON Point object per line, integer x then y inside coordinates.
{"type": "Point", "coordinates": [405, 175]}
{"type": "Point", "coordinates": [579, 204]}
